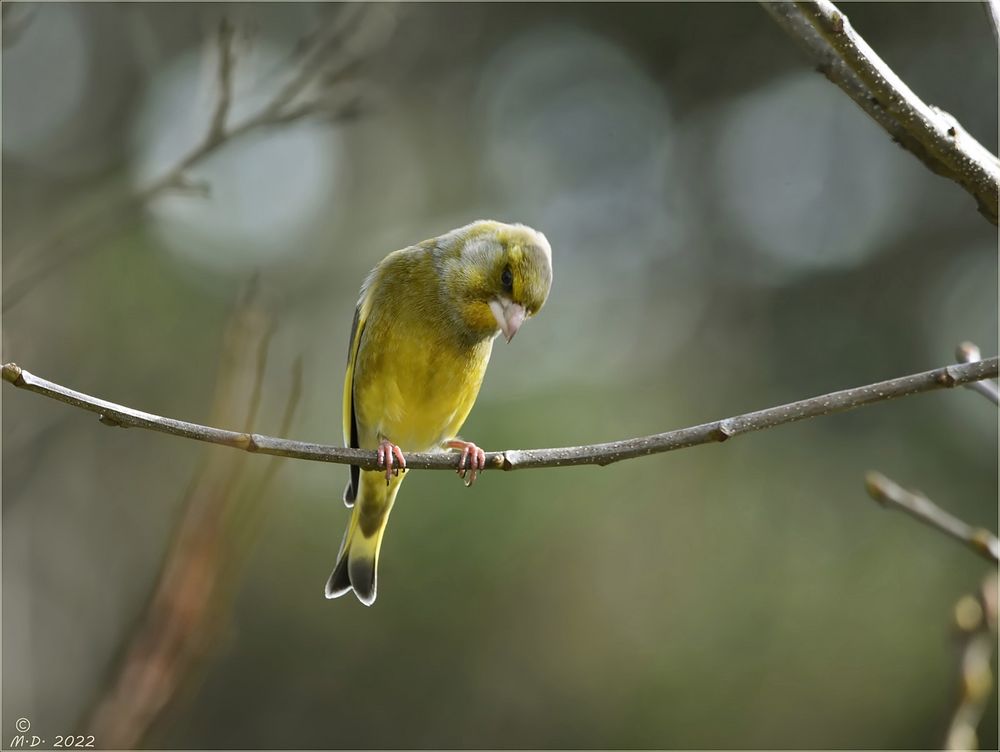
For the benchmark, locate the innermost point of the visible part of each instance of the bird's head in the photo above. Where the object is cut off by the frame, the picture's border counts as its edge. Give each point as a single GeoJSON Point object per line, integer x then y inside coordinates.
{"type": "Point", "coordinates": [498, 274]}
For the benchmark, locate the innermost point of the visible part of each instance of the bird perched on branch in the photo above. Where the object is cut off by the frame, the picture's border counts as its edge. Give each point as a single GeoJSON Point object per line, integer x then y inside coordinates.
{"type": "Point", "coordinates": [421, 339]}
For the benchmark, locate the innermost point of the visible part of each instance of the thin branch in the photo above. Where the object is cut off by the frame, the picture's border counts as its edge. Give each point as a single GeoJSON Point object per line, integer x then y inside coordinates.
{"type": "Point", "coordinates": [263, 348]}
{"type": "Point", "coordinates": [217, 129]}
{"type": "Point", "coordinates": [319, 58]}
{"type": "Point", "coordinates": [968, 352]}
{"type": "Point", "coordinates": [933, 135]}
{"type": "Point", "coordinates": [313, 62]}
{"type": "Point", "coordinates": [291, 406]}
{"type": "Point", "coordinates": [187, 602]}
{"type": "Point", "coordinates": [888, 493]}
{"type": "Point", "coordinates": [791, 19]}
{"type": "Point", "coordinates": [517, 459]}
{"type": "Point", "coordinates": [245, 517]}
{"type": "Point", "coordinates": [976, 624]}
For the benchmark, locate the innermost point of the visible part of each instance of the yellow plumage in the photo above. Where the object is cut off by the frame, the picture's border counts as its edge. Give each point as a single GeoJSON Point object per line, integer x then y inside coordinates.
{"type": "Point", "coordinates": [422, 336]}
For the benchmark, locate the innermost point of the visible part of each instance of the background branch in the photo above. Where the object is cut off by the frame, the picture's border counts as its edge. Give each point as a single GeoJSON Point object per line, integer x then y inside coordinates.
{"type": "Point", "coordinates": [968, 352]}
{"type": "Point", "coordinates": [310, 93]}
{"type": "Point", "coordinates": [516, 459]}
{"type": "Point", "coordinates": [933, 135]}
{"type": "Point", "coordinates": [199, 573]}
{"type": "Point", "coordinates": [975, 620]}
{"type": "Point", "coordinates": [888, 493]}
{"type": "Point", "coordinates": [976, 625]}
{"type": "Point", "coordinates": [217, 129]}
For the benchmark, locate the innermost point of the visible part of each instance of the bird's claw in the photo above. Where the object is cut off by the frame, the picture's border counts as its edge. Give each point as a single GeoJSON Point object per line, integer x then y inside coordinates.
{"type": "Point", "coordinates": [388, 454]}
{"type": "Point", "coordinates": [471, 455]}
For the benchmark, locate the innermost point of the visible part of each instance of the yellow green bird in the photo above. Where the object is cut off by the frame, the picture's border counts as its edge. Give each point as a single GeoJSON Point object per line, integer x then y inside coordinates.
{"type": "Point", "coordinates": [421, 339]}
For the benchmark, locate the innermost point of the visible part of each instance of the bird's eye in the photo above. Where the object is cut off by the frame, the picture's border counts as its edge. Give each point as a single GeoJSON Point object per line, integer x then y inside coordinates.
{"type": "Point", "coordinates": [507, 279]}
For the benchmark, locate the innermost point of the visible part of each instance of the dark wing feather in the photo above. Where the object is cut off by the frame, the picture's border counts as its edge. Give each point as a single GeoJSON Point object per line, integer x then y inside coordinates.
{"type": "Point", "coordinates": [350, 418]}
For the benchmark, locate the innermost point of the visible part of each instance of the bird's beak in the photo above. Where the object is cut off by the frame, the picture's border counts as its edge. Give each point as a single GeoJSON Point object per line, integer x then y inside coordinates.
{"type": "Point", "coordinates": [509, 316]}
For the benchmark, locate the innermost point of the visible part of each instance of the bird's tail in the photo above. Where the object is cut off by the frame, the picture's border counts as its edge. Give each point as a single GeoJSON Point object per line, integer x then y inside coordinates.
{"type": "Point", "coordinates": [357, 562]}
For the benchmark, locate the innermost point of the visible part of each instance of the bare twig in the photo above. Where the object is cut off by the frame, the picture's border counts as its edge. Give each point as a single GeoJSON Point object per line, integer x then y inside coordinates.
{"type": "Point", "coordinates": [887, 492]}
{"type": "Point", "coordinates": [968, 352]}
{"type": "Point", "coordinates": [315, 63]}
{"type": "Point", "coordinates": [517, 459]}
{"type": "Point", "coordinates": [934, 136]}
{"type": "Point", "coordinates": [188, 598]}
{"type": "Point", "coordinates": [217, 129]}
{"type": "Point", "coordinates": [245, 517]}
{"type": "Point", "coordinates": [319, 64]}
{"type": "Point", "coordinates": [278, 111]}
{"type": "Point", "coordinates": [976, 624]}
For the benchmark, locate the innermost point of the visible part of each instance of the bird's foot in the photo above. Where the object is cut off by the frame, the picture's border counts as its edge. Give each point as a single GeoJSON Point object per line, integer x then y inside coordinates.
{"type": "Point", "coordinates": [388, 453]}
{"type": "Point", "coordinates": [471, 455]}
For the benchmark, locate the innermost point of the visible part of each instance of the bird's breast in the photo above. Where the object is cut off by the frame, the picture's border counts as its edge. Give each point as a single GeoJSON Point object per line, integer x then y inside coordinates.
{"type": "Point", "coordinates": [416, 388]}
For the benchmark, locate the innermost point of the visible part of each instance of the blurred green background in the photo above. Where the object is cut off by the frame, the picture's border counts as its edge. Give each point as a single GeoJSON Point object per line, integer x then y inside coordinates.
{"type": "Point", "coordinates": [729, 232]}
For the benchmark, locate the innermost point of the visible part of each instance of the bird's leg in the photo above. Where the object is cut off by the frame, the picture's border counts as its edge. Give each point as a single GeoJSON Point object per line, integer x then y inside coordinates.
{"type": "Point", "coordinates": [387, 451]}
{"type": "Point", "coordinates": [472, 454]}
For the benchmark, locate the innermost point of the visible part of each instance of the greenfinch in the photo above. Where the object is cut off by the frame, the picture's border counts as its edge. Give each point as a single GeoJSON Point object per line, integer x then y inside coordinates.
{"type": "Point", "coordinates": [423, 331]}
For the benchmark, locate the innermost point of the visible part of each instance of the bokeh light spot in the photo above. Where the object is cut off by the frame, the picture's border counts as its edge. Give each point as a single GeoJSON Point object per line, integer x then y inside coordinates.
{"type": "Point", "coordinates": [806, 179]}
{"type": "Point", "coordinates": [44, 81]}
{"type": "Point", "coordinates": [266, 188]}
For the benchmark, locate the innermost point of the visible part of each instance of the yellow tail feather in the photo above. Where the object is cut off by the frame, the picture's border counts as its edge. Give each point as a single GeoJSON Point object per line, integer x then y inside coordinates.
{"type": "Point", "coordinates": [357, 562]}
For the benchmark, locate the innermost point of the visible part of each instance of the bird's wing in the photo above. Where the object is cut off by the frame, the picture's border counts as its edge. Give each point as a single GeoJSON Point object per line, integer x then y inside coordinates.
{"type": "Point", "coordinates": [350, 419]}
